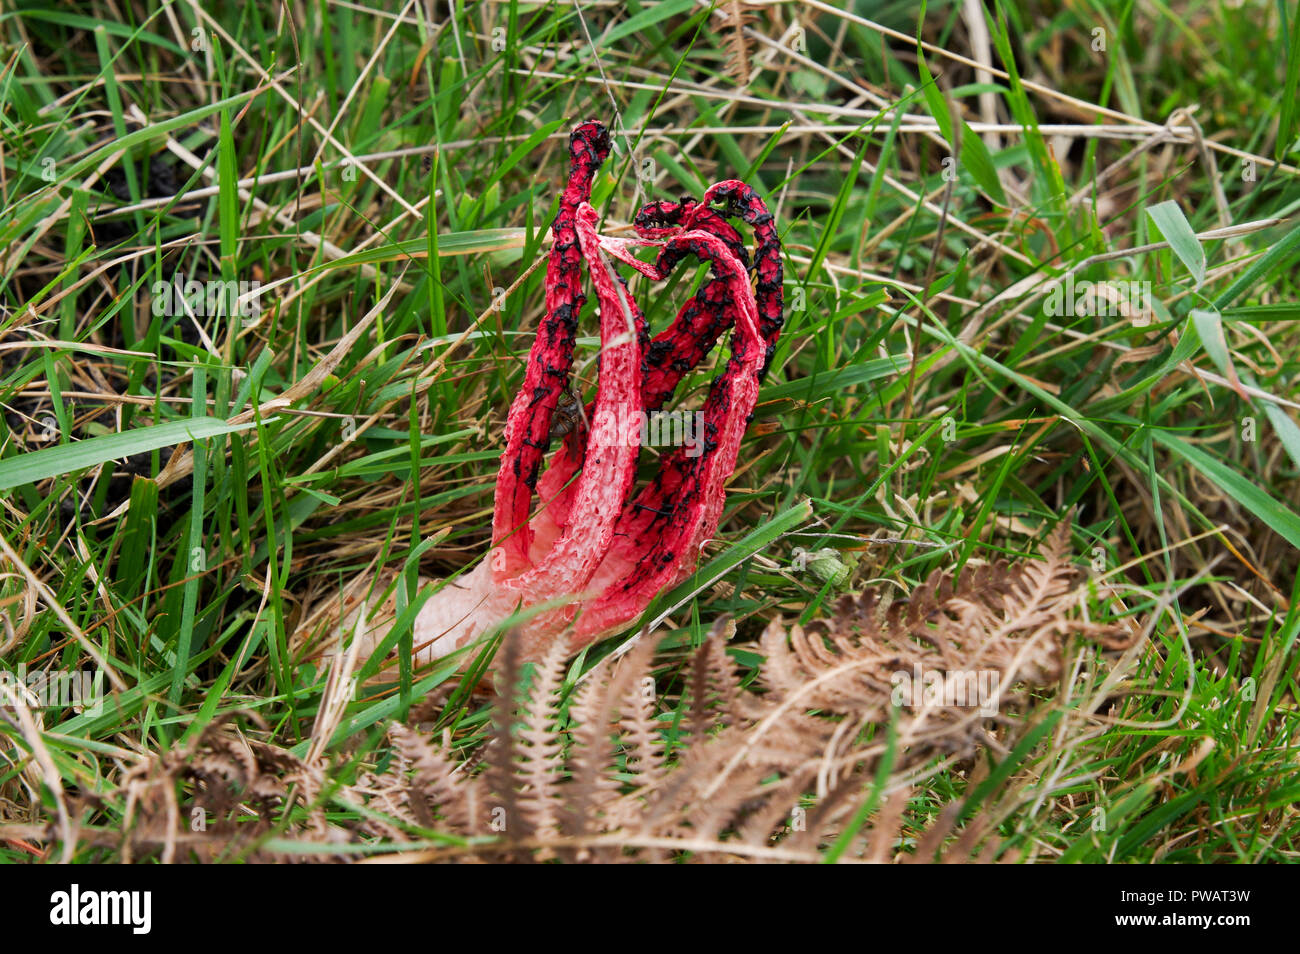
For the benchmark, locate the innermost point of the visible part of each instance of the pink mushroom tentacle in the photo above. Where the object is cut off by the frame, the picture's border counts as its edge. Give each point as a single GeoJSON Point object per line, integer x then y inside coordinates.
{"type": "Point", "coordinates": [592, 538]}
{"type": "Point", "coordinates": [663, 514]}
{"type": "Point", "coordinates": [551, 357]}
{"type": "Point", "coordinates": [677, 350]}
{"type": "Point", "coordinates": [661, 530]}
{"type": "Point", "coordinates": [559, 486]}
{"type": "Point", "coordinates": [744, 203]}
{"type": "Point", "coordinates": [610, 465]}
{"type": "Point", "coordinates": [705, 317]}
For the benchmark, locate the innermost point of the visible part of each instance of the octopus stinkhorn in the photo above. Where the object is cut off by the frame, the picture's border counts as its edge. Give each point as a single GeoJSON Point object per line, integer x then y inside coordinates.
{"type": "Point", "coordinates": [596, 545]}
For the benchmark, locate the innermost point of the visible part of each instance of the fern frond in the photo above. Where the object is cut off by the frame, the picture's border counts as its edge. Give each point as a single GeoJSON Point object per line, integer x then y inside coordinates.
{"type": "Point", "coordinates": [594, 788]}
{"type": "Point", "coordinates": [539, 745]}
{"type": "Point", "coordinates": [435, 785]}
{"type": "Point", "coordinates": [779, 771]}
{"type": "Point", "coordinates": [504, 748]}
{"type": "Point", "coordinates": [736, 16]}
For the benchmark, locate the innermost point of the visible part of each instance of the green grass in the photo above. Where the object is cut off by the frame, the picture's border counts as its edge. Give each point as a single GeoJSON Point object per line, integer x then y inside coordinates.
{"type": "Point", "coordinates": [924, 410]}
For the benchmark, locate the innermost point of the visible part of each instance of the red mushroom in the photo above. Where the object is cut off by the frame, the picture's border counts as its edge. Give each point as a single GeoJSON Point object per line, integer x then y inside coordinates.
{"type": "Point", "coordinates": [593, 541]}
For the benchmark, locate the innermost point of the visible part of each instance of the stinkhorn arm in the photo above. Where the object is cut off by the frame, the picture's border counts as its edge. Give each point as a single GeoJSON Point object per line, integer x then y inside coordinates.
{"type": "Point", "coordinates": [527, 433]}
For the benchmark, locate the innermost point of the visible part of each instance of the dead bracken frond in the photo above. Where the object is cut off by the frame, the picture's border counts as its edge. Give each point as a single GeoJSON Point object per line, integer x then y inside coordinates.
{"type": "Point", "coordinates": [736, 16]}
{"type": "Point", "coordinates": [238, 787]}
{"type": "Point", "coordinates": [845, 713]}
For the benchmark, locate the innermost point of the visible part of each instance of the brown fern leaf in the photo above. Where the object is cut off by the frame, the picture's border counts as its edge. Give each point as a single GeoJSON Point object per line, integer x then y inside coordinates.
{"type": "Point", "coordinates": [714, 684]}
{"type": "Point", "coordinates": [599, 722]}
{"type": "Point", "coordinates": [435, 785]}
{"type": "Point", "coordinates": [738, 785]}
{"type": "Point", "coordinates": [736, 16]}
{"type": "Point", "coordinates": [238, 786]}
{"type": "Point", "coordinates": [639, 736]}
{"type": "Point", "coordinates": [848, 711]}
{"type": "Point", "coordinates": [539, 744]}
{"type": "Point", "coordinates": [501, 752]}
